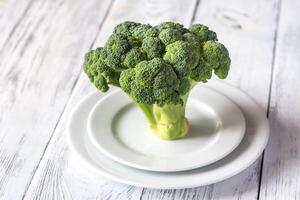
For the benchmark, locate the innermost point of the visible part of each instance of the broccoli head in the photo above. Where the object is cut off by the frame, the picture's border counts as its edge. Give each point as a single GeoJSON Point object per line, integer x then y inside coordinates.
{"type": "Point", "coordinates": [157, 66]}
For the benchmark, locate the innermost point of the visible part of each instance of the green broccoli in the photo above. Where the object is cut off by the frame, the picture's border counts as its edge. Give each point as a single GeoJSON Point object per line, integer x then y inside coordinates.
{"type": "Point", "coordinates": [157, 66]}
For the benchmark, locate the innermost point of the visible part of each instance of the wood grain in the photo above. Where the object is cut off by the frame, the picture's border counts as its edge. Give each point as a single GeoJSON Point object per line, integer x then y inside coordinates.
{"type": "Point", "coordinates": [248, 31]}
{"type": "Point", "coordinates": [40, 63]}
{"type": "Point", "coordinates": [41, 48]}
{"type": "Point", "coordinates": [281, 167]}
{"type": "Point", "coordinates": [59, 175]}
{"type": "Point", "coordinates": [11, 14]}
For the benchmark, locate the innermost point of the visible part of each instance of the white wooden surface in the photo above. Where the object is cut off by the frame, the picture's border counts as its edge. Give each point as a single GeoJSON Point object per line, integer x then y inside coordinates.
{"type": "Point", "coordinates": [281, 168]}
{"type": "Point", "coordinates": [42, 43]}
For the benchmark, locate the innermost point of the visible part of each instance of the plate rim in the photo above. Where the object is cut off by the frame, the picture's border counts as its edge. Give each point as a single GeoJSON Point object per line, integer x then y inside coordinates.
{"type": "Point", "coordinates": [107, 153]}
{"type": "Point", "coordinates": [99, 170]}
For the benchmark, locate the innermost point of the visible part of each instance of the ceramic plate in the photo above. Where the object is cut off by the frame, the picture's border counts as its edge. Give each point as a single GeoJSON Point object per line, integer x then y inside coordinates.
{"type": "Point", "coordinates": [250, 148]}
{"type": "Point", "coordinates": [119, 130]}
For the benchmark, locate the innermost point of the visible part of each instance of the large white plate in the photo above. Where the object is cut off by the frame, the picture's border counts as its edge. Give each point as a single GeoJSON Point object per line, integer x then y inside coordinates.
{"type": "Point", "coordinates": [119, 130]}
{"type": "Point", "coordinates": [252, 145]}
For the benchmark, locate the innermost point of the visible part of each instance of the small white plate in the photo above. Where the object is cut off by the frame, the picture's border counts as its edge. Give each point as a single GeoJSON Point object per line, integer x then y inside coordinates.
{"type": "Point", "coordinates": [252, 145]}
{"type": "Point", "coordinates": [119, 130]}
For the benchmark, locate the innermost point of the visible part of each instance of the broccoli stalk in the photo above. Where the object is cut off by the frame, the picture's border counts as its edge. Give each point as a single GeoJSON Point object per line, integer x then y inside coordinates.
{"type": "Point", "coordinates": [157, 66]}
{"type": "Point", "coordinates": [167, 122]}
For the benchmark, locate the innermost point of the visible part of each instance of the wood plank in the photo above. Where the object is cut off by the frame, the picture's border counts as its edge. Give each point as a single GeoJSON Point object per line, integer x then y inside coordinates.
{"type": "Point", "coordinates": [182, 194]}
{"type": "Point", "coordinates": [11, 14]}
{"type": "Point", "coordinates": [64, 176]}
{"type": "Point", "coordinates": [248, 31]}
{"type": "Point", "coordinates": [281, 167]}
{"type": "Point", "coordinates": [37, 77]}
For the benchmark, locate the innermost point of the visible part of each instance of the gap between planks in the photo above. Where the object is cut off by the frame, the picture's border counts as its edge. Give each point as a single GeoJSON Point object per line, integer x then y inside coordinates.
{"type": "Point", "coordinates": [195, 14]}
{"type": "Point", "coordinates": [72, 90]}
{"type": "Point", "coordinates": [278, 8]}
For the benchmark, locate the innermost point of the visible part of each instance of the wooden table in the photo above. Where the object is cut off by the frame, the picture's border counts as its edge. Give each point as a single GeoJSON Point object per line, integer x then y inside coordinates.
{"type": "Point", "coordinates": [42, 43]}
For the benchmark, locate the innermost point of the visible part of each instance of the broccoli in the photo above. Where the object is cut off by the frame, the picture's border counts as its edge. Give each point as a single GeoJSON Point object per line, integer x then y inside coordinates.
{"type": "Point", "coordinates": [157, 66]}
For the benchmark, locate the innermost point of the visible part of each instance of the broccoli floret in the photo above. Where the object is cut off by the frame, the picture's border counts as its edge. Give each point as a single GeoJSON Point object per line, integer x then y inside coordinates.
{"type": "Point", "coordinates": [133, 57]}
{"type": "Point", "coordinates": [217, 56]}
{"type": "Point", "coordinates": [184, 86]}
{"type": "Point", "coordinates": [152, 32]}
{"type": "Point", "coordinates": [126, 28]}
{"type": "Point", "coordinates": [151, 82]}
{"type": "Point", "coordinates": [126, 79]}
{"type": "Point", "coordinates": [139, 32]}
{"type": "Point", "coordinates": [203, 33]}
{"type": "Point", "coordinates": [169, 35]}
{"type": "Point", "coordinates": [117, 44]}
{"type": "Point", "coordinates": [193, 40]}
{"type": "Point", "coordinates": [153, 47]}
{"type": "Point", "coordinates": [100, 83]}
{"type": "Point", "coordinates": [182, 56]}
{"type": "Point", "coordinates": [157, 67]}
{"type": "Point", "coordinates": [170, 25]}
{"type": "Point", "coordinates": [202, 72]}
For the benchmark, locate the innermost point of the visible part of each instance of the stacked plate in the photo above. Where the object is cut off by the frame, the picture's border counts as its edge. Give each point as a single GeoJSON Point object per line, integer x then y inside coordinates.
{"type": "Point", "coordinates": [228, 132]}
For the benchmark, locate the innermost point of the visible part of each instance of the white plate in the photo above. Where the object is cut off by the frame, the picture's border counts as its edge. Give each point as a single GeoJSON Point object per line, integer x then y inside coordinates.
{"type": "Point", "coordinates": [119, 130]}
{"type": "Point", "coordinates": [252, 145]}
